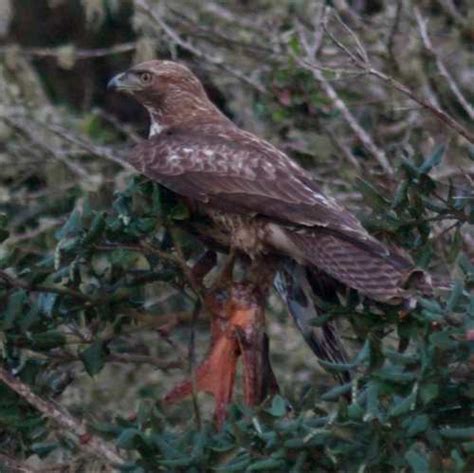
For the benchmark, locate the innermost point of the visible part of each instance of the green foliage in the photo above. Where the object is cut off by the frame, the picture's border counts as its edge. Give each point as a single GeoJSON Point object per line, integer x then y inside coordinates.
{"type": "Point", "coordinates": [91, 262]}
{"type": "Point", "coordinates": [409, 409]}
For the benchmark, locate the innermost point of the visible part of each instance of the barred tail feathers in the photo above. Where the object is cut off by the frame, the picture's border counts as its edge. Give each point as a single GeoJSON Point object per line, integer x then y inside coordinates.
{"type": "Point", "coordinates": [356, 264]}
{"type": "Point", "coordinates": [293, 286]}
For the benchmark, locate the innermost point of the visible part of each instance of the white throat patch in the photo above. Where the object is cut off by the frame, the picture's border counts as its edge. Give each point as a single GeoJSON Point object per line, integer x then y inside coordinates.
{"type": "Point", "coordinates": [155, 129]}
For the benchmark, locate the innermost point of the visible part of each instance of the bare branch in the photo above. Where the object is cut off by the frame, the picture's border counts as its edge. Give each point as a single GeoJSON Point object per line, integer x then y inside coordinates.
{"type": "Point", "coordinates": [77, 53]}
{"type": "Point", "coordinates": [85, 439]}
{"type": "Point", "coordinates": [14, 466]}
{"type": "Point", "coordinates": [175, 36]}
{"type": "Point", "coordinates": [6, 280]}
{"type": "Point", "coordinates": [10, 281]}
{"type": "Point", "coordinates": [422, 27]}
{"type": "Point", "coordinates": [367, 67]}
{"type": "Point", "coordinates": [453, 171]}
{"type": "Point", "coordinates": [363, 136]}
{"type": "Point", "coordinates": [99, 151]}
{"type": "Point", "coordinates": [126, 358]}
{"type": "Point", "coordinates": [450, 8]}
{"type": "Point", "coordinates": [25, 130]}
{"type": "Point", "coordinates": [343, 148]}
{"type": "Point", "coordinates": [437, 112]}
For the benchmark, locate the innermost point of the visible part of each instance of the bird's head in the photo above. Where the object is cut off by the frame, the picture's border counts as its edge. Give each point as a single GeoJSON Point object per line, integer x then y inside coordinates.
{"type": "Point", "coordinates": [154, 80]}
{"type": "Point", "coordinates": [170, 91]}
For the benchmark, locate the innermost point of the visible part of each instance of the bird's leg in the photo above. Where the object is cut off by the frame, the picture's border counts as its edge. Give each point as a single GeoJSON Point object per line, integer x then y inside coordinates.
{"type": "Point", "coordinates": [204, 265]}
{"type": "Point", "coordinates": [227, 271]}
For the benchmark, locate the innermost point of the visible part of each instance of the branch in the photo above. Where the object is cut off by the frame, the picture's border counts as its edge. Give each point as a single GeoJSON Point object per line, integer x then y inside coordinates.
{"type": "Point", "coordinates": [365, 65]}
{"type": "Point", "coordinates": [454, 171]}
{"type": "Point", "coordinates": [14, 466]}
{"type": "Point", "coordinates": [78, 53]}
{"type": "Point", "coordinates": [343, 148]}
{"type": "Point", "coordinates": [174, 36]}
{"type": "Point", "coordinates": [449, 7]}
{"type": "Point", "coordinates": [437, 112]}
{"type": "Point", "coordinates": [10, 281]}
{"type": "Point", "coordinates": [309, 64]}
{"type": "Point", "coordinates": [126, 358]}
{"type": "Point", "coordinates": [363, 136]}
{"type": "Point", "coordinates": [99, 151]}
{"type": "Point", "coordinates": [86, 440]}
{"type": "Point", "coordinates": [440, 65]}
{"type": "Point", "coordinates": [26, 131]}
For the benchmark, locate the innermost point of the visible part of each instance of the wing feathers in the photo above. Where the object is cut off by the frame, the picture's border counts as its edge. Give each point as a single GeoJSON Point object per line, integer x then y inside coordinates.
{"type": "Point", "coordinates": [376, 276]}
{"type": "Point", "coordinates": [235, 172]}
{"type": "Point", "coordinates": [226, 165]}
{"type": "Point", "coordinates": [294, 288]}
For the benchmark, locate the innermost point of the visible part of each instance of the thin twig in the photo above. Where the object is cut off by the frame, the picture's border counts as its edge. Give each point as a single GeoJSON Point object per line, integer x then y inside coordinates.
{"type": "Point", "coordinates": [85, 439]}
{"type": "Point", "coordinates": [363, 136]}
{"type": "Point", "coordinates": [99, 151]}
{"type": "Point", "coordinates": [78, 53]}
{"type": "Point", "coordinates": [367, 67]}
{"type": "Point", "coordinates": [118, 125]}
{"type": "Point", "coordinates": [6, 280]}
{"type": "Point", "coordinates": [44, 227]}
{"type": "Point", "coordinates": [393, 33]}
{"type": "Point", "coordinates": [309, 64]}
{"type": "Point", "coordinates": [450, 8]}
{"type": "Point", "coordinates": [126, 358]}
{"type": "Point", "coordinates": [30, 135]}
{"type": "Point", "coordinates": [342, 147]}
{"type": "Point", "coordinates": [192, 364]}
{"type": "Point", "coordinates": [440, 65]}
{"type": "Point", "coordinates": [437, 112]}
{"type": "Point", "coordinates": [453, 171]}
{"type": "Point", "coordinates": [14, 466]}
{"type": "Point", "coordinates": [176, 38]}
{"type": "Point", "coordinates": [10, 281]}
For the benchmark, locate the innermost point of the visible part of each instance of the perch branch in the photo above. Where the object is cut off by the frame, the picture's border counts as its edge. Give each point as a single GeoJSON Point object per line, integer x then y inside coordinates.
{"type": "Point", "coordinates": [86, 441]}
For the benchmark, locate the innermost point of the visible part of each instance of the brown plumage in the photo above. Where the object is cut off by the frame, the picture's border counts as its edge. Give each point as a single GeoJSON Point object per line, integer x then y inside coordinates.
{"type": "Point", "coordinates": [260, 201]}
{"type": "Point", "coordinates": [266, 201]}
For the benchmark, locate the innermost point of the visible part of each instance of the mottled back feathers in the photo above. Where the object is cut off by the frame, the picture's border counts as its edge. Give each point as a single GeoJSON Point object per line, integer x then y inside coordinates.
{"type": "Point", "coordinates": [201, 155]}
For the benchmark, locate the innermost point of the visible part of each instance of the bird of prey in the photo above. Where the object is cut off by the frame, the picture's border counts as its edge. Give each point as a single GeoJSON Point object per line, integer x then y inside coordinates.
{"type": "Point", "coordinates": [258, 198]}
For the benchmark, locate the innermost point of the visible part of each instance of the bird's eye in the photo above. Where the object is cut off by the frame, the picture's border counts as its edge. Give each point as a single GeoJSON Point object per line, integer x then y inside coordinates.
{"type": "Point", "coordinates": [145, 78]}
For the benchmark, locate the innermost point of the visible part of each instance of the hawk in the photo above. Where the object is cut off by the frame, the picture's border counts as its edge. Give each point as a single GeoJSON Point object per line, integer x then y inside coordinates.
{"type": "Point", "coordinates": [260, 201]}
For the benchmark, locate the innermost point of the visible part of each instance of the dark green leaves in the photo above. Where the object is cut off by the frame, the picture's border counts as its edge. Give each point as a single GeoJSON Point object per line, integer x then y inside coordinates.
{"type": "Point", "coordinates": [71, 227]}
{"type": "Point", "coordinates": [417, 461]}
{"type": "Point", "coordinates": [278, 407]}
{"type": "Point", "coordinates": [3, 228]}
{"type": "Point", "coordinates": [94, 357]}
{"type": "Point", "coordinates": [109, 275]}
{"type": "Point", "coordinates": [433, 160]}
{"type": "Point", "coordinates": [95, 230]}
{"type": "Point", "coordinates": [15, 306]}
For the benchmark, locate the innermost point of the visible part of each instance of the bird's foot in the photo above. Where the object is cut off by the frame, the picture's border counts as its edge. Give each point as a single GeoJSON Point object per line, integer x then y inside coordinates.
{"type": "Point", "coordinates": [225, 276]}
{"type": "Point", "coordinates": [238, 329]}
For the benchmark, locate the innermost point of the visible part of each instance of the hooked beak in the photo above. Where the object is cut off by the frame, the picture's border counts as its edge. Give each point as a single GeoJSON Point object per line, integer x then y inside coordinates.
{"type": "Point", "coordinates": [123, 82]}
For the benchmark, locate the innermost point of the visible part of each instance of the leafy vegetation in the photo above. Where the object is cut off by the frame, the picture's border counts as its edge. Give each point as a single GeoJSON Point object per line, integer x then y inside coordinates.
{"type": "Point", "coordinates": [96, 301]}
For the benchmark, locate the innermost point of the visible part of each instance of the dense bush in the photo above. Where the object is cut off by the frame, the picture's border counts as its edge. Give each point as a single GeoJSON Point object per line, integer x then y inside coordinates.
{"type": "Point", "coordinates": [96, 305]}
